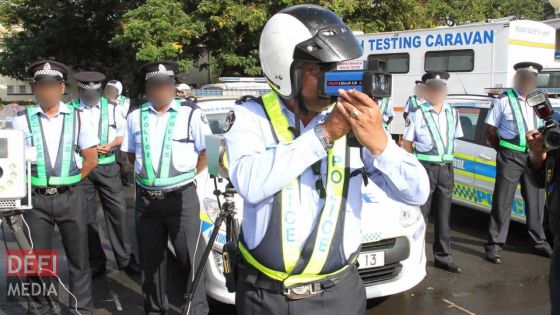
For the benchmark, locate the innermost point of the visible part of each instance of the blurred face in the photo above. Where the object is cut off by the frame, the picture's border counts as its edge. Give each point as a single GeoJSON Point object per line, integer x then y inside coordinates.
{"type": "Point", "coordinates": [160, 93]}
{"type": "Point", "coordinates": [525, 82]}
{"type": "Point", "coordinates": [436, 93]}
{"type": "Point", "coordinates": [90, 97]}
{"type": "Point", "coordinates": [311, 74]}
{"type": "Point", "coordinates": [48, 93]}
{"type": "Point", "coordinates": [111, 92]}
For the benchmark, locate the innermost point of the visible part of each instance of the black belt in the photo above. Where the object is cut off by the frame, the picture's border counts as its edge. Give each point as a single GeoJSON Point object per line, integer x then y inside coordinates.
{"type": "Point", "coordinates": [49, 191]}
{"type": "Point", "coordinates": [295, 292]}
{"type": "Point", "coordinates": [162, 194]}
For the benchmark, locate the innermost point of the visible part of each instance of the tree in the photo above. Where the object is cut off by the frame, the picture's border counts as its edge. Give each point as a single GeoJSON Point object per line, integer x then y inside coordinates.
{"type": "Point", "coordinates": [76, 32]}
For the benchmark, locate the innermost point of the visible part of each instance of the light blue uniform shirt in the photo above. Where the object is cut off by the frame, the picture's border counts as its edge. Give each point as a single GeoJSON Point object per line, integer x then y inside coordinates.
{"type": "Point", "coordinates": [501, 117]}
{"type": "Point", "coordinates": [259, 168]}
{"type": "Point", "coordinates": [117, 122]}
{"type": "Point", "coordinates": [184, 154]}
{"type": "Point", "coordinates": [388, 113]}
{"type": "Point", "coordinates": [408, 106]}
{"type": "Point", "coordinates": [418, 133]}
{"type": "Point", "coordinates": [52, 128]}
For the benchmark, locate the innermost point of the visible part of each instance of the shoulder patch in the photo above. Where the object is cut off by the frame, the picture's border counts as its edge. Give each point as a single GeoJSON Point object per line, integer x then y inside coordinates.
{"type": "Point", "coordinates": [230, 119]}
{"type": "Point", "coordinates": [244, 98]}
{"type": "Point", "coordinates": [203, 117]}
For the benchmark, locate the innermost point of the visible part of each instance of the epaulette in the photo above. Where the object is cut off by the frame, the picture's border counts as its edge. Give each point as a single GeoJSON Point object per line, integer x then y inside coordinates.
{"type": "Point", "coordinates": [21, 112]}
{"type": "Point", "coordinates": [190, 104]}
{"type": "Point", "coordinates": [244, 98]}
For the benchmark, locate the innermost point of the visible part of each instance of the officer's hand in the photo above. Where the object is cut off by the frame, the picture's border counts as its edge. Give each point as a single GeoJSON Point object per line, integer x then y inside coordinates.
{"type": "Point", "coordinates": [336, 125]}
{"type": "Point", "coordinates": [103, 149]}
{"type": "Point", "coordinates": [366, 121]}
{"type": "Point", "coordinates": [535, 142]}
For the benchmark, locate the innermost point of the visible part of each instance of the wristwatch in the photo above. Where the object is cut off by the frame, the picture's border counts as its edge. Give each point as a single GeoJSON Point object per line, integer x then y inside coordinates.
{"type": "Point", "coordinates": [320, 132]}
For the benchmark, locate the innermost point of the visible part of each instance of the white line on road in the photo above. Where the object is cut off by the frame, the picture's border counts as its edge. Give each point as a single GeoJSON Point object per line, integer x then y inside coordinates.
{"type": "Point", "coordinates": [453, 305]}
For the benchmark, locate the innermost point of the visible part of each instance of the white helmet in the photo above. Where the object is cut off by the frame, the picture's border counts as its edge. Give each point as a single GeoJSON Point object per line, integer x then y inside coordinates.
{"type": "Point", "coordinates": [303, 34]}
{"type": "Point", "coordinates": [182, 87]}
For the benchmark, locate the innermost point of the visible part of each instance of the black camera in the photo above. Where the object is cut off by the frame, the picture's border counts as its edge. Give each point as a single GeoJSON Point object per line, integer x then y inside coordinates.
{"type": "Point", "coordinates": [543, 109]}
{"type": "Point", "coordinates": [374, 81]}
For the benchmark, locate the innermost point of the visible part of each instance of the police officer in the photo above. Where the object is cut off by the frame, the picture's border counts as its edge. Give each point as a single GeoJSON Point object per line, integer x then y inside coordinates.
{"type": "Point", "coordinates": [510, 117]}
{"type": "Point", "coordinates": [165, 142]}
{"type": "Point", "coordinates": [55, 131]}
{"type": "Point", "coordinates": [386, 108]}
{"type": "Point", "coordinates": [418, 98]}
{"type": "Point", "coordinates": [113, 93]}
{"type": "Point", "coordinates": [430, 133]}
{"type": "Point", "coordinates": [107, 124]}
{"type": "Point", "coordinates": [300, 182]}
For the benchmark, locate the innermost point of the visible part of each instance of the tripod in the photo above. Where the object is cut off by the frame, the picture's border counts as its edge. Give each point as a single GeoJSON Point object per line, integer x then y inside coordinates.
{"type": "Point", "coordinates": [227, 214]}
{"type": "Point", "coordinates": [11, 219]}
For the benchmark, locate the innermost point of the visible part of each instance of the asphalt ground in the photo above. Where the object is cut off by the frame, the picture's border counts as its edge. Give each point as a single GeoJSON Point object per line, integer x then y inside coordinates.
{"type": "Point", "coordinates": [518, 286]}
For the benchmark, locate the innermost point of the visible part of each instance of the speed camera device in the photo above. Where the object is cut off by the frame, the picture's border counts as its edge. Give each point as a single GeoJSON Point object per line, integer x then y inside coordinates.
{"type": "Point", "coordinates": [14, 183]}
{"type": "Point", "coordinates": [373, 81]}
{"type": "Point", "coordinates": [216, 155]}
{"type": "Point", "coordinates": [543, 109]}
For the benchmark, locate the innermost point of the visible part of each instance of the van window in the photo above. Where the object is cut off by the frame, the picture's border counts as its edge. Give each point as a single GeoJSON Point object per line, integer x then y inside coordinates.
{"type": "Point", "coordinates": [450, 60]}
{"type": "Point", "coordinates": [549, 79]}
{"type": "Point", "coordinates": [396, 63]}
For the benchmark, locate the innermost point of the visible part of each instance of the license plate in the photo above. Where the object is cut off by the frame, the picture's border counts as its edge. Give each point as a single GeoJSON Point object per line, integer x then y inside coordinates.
{"type": "Point", "coordinates": [371, 260]}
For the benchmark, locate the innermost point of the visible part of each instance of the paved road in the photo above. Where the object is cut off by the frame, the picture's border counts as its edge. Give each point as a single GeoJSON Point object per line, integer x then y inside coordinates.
{"type": "Point", "coordinates": [518, 286]}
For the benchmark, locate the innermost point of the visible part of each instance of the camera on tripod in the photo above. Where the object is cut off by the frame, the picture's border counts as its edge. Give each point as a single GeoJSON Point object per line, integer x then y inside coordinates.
{"type": "Point", "coordinates": [15, 169]}
{"type": "Point", "coordinates": [543, 109]}
{"type": "Point", "coordinates": [216, 156]}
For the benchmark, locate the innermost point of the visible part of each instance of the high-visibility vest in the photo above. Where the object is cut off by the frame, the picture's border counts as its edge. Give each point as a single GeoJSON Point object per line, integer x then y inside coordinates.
{"type": "Point", "coordinates": [103, 129]}
{"type": "Point", "coordinates": [383, 103]}
{"type": "Point", "coordinates": [278, 254]}
{"type": "Point", "coordinates": [65, 171]}
{"type": "Point", "coordinates": [439, 153]}
{"type": "Point", "coordinates": [413, 100]}
{"type": "Point", "coordinates": [519, 143]}
{"type": "Point", "coordinates": [165, 174]}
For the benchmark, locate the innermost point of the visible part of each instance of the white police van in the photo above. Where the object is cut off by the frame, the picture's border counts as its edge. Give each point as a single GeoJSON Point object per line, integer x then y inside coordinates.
{"type": "Point", "coordinates": [392, 257]}
{"type": "Point", "coordinates": [475, 159]}
{"type": "Point", "coordinates": [478, 55]}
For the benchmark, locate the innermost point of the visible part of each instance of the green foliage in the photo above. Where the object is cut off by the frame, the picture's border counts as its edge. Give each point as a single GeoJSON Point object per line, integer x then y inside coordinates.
{"type": "Point", "coordinates": [117, 36]}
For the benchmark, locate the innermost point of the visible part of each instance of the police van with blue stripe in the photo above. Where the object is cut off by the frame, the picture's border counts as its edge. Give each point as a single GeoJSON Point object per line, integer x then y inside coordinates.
{"type": "Point", "coordinates": [392, 258]}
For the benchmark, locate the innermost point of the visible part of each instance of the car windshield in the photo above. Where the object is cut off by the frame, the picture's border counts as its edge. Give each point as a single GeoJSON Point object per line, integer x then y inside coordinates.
{"type": "Point", "coordinates": [216, 122]}
{"type": "Point", "coordinates": [549, 79]}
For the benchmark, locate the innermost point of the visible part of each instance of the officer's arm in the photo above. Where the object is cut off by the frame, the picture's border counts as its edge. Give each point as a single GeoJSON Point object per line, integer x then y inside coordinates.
{"type": "Point", "coordinates": [120, 126]}
{"type": "Point", "coordinates": [493, 121]}
{"type": "Point", "coordinates": [90, 160]}
{"type": "Point", "coordinates": [398, 173]}
{"type": "Point", "coordinates": [492, 136]}
{"type": "Point", "coordinates": [128, 145]}
{"type": "Point", "coordinates": [257, 171]}
{"type": "Point", "coordinates": [408, 135]}
{"type": "Point", "coordinates": [202, 162]}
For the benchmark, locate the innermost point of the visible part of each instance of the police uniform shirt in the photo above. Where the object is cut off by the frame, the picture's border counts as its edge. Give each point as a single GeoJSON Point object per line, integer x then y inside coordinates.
{"type": "Point", "coordinates": [259, 167]}
{"type": "Point", "coordinates": [52, 129]}
{"type": "Point", "coordinates": [408, 106]}
{"type": "Point", "coordinates": [184, 154]}
{"type": "Point", "coordinates": [124, 105]}
{"type": "Point", "coordinates": [117, 122]}
{"type": "Point", "coordinates": [418, 133]}
{"type": "Point", "coordinates": [502, 117]}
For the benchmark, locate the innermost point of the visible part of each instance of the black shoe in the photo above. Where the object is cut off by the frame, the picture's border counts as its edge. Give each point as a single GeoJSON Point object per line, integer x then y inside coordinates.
{"type": "Point", "coordinates": [98, 271]}
{"type": "Point", "coordinates": [545, 252]}
{"type": "Point", "coordinates": [133, 267]}
{"type": "Point", "coordinates": [494, 258]}
{"type": "Point", "coordinates": [452, 267]}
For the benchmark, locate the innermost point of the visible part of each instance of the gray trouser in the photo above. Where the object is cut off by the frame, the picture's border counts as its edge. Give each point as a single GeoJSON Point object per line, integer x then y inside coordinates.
{"type": "Point", "coordinates": [347, 297]}
{"type": "Point", "coordinates": [105, 180]}
{"type": "Point", "coordinates": [439, 201]}
{"type": "Point", "coordinates": [176, 217]}
{"type": "Point", "coordinates": [511, 169]}
{"type": "Point", "coordinates": [67, 211]}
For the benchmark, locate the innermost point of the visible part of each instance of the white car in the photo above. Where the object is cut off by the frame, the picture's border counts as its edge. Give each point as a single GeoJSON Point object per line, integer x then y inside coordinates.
{"type": "Point", "coordinates": [392, 257]}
